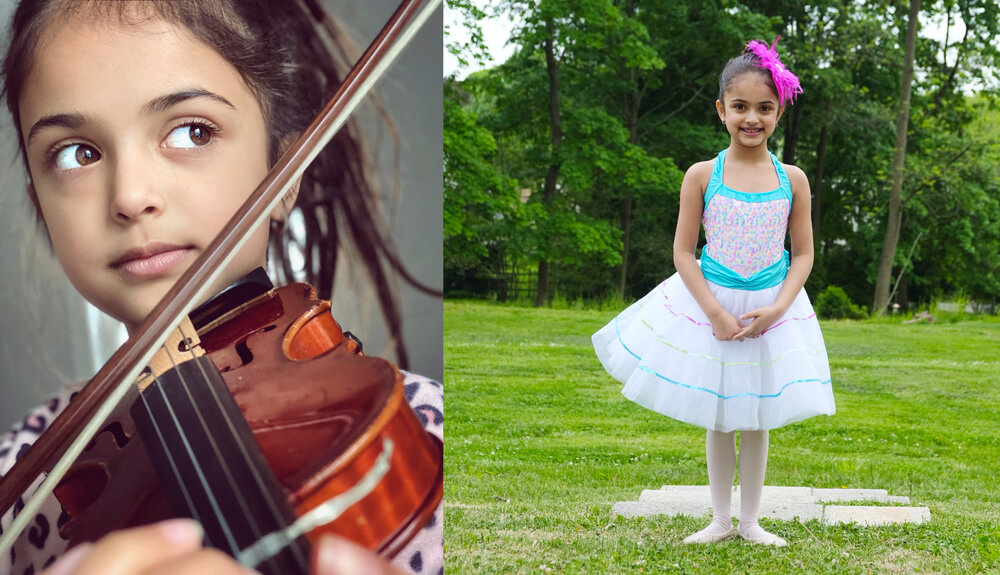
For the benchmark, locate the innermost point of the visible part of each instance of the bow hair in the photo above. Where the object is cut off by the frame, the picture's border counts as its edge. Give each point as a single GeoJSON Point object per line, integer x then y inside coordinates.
{"type": "Point", "coordinates": [787, 83]}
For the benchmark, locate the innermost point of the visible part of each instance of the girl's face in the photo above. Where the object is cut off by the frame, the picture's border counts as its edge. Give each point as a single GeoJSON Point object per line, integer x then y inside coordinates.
{"type": "Point", "coordinates": [750, 111]}
{"type": "Point", "coordinates": [141, 142]}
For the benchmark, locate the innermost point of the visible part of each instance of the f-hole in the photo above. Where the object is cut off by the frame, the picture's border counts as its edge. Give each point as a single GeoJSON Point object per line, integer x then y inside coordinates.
{"type": "Point", "coordinates": [117, 433]}
{"type": "Point", "coordinates": [246, 356]}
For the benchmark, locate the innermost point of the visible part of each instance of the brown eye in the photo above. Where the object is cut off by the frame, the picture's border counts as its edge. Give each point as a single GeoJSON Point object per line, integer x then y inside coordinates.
{"type": "Point", "coordinates": [200, 135]}
{"type": "Point", "coordinates": [74, 156]}
{"type": "Point", "coordinates": [86, 155]}
{"type": "Point", "coordinates": [190, 136]}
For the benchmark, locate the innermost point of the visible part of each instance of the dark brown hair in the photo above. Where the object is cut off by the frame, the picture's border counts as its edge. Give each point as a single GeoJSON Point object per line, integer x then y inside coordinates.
{"type": "Point", "coordinates": [292, 57]}
{"type": "Point", "coordinates": [745, 63]}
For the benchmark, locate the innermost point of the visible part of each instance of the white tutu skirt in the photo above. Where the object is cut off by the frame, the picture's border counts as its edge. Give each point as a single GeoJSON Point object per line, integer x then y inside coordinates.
{"type": "Point", "coordinates": [663, 350]}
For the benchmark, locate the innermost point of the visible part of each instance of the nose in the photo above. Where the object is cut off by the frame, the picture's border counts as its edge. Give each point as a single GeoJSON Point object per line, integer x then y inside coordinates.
{"type": "Point", "coordinates": [133, 188]}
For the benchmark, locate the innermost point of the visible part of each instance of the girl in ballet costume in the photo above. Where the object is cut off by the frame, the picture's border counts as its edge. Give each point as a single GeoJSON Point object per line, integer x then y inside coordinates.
{"type": "Point", "coordinates": [731, 342]}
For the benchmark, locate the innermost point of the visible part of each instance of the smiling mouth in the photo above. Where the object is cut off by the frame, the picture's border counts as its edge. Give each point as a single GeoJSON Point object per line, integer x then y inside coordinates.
{"type": "Point", "coordinates": [151, 260]}
{"type": "Point", "coordinates": [752, 132]}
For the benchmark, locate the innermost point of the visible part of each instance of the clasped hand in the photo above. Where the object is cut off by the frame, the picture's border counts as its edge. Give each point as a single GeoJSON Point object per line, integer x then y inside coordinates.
{"type": "Point", "coordinates": [727, 328]}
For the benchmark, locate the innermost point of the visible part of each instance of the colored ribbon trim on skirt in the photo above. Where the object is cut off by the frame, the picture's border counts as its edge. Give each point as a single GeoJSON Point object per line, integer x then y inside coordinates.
{"type": "Point", "coordinates": [705, 389]}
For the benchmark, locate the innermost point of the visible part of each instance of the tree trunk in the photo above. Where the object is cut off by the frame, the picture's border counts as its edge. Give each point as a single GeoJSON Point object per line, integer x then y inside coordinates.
{"type": "Point", "coordinates": [817, 199]}
{"type": "Point", "coordinates": [898, 163]}
{"type": "Point", "coordinates": [632, 120]}
{"type": "Point", "coordinates": [792, 135]}
{"type": "Point", "coordinates": [552, 176]}
{"type": "Point", "coordinates": [626, 221]}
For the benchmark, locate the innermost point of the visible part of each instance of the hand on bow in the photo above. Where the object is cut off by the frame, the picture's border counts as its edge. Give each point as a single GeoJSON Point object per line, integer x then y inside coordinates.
{"type": "Point", "coordinates": [174, 546]}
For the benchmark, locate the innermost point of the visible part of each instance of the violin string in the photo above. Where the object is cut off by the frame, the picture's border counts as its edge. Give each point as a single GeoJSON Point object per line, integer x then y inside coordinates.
{"type": "Point", "coordinates": [189, 450]}
{"type": "Point", "coordinates": [220, 456]}
{"type": "Point", "coordinates": [170, 457]}
{"type": "Point", "coordinates": [272, 505]}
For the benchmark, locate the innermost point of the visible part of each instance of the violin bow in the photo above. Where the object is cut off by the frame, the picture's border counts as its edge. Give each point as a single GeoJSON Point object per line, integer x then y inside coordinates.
{"type": "Point", "coordinates": [92, 405]}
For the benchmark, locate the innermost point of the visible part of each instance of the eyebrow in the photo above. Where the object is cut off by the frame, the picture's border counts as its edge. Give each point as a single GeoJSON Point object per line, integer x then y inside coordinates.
{"type": "Point", "coordinates": [71, 121]}
{"type": "Point", "coordinates": [162, 103]}
{"type": "Point", "coordinates": [158, 104]}
{"type": "Point", "coordinates": [747, 101]}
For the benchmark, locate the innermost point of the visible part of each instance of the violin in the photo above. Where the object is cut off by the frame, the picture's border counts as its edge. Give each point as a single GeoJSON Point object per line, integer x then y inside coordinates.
{"type": "Point", "coordinates": [264, 422]}
{"type": "Point", "coordinates": [295, 391]}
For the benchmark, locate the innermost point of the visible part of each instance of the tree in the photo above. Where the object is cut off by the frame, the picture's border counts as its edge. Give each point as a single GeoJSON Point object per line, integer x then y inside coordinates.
{"type": "Point", "coordinates": [481, 205]}
{"type": "Point", "coordinates": [637, 80]}
{"type": "Point", "coordinates": [589, 159]}
{"type": "Point", "coordinates": [895, 215]}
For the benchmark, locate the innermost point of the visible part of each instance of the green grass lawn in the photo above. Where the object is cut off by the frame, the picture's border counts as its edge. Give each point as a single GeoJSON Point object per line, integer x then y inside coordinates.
{"type": "Point", "coordinates": [541, 443]}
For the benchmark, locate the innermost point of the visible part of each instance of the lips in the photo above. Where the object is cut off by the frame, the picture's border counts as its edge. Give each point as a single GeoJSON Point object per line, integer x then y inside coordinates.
{"type": "Point", "coordinates": [151, 260]}
{"type": "Point", "coordinates": [752, 132]}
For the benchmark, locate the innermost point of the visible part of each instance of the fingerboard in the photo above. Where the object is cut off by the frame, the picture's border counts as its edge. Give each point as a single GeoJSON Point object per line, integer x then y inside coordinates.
{"type": "Point", "coordinates": [211, 466]}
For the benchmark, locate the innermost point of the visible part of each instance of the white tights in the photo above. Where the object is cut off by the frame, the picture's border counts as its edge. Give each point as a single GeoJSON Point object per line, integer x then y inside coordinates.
{"type": "Point", "coordinates": [720, 448]}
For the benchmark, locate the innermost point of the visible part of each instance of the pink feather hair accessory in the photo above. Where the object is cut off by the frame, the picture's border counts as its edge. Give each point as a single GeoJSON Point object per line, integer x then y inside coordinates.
{"type": "Point", "coordinates": [787, 83]}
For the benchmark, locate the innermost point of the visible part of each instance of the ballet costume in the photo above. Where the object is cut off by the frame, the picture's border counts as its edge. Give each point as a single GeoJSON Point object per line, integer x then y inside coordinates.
{"type": "Point", "coordinates": [663, 348]}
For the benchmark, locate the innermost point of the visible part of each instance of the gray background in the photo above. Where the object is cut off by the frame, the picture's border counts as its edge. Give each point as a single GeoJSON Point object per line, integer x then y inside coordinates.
{"type": "Point", "coordinates": [49, 336]}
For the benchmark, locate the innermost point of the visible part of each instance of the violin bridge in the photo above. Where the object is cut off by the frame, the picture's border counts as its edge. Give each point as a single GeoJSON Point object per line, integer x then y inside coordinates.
{"type": "Point", "coordinates": [183, 344]}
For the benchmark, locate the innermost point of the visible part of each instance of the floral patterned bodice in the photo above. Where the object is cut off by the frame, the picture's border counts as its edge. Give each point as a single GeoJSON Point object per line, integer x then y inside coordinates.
{"type": "Point", "coordinates": [746, 232]}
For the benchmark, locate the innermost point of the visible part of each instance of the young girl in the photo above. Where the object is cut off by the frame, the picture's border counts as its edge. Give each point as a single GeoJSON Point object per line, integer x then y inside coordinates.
{"type": "Point", "coordinates": [143, 127]}
{"type": "Point", "coordinates": [732, 342]}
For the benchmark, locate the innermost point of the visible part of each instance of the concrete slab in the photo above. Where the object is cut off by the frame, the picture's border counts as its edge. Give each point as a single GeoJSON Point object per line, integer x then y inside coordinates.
{"type": "Point", "coordinates": [789, 511]}
{"type": "Point", "coordinates": [774, 496]}
{"type": "Point", "coordinates": [778, 502]}
{"type": "Point", "coordinates": [770, 492]}
{"type": "Point", "coordinates": [871, 515]}
{"type": "Point", "coordinates": [681, 489]}
{"type": "Point", "coordinates": [777, 492]}
{"type": "Point", "coordinates": [880, 495]}
{"type": "Point", "coordinates": [650, 509]}
{"type": "Point", "coordinates": [787, 503]}
{"type": "Point", "coordinates": [672, 495]}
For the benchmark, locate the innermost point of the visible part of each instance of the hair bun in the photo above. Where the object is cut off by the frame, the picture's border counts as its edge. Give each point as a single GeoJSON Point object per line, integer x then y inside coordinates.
{"type": "Point", "coordinates": [787, 83]}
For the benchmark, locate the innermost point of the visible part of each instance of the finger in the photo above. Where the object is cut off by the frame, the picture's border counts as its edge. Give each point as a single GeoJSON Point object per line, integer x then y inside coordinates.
{"type": "Point", "coordinates": [69, 561]}
{"type": "Point", "coordinates": [201, 560]}
{"type": "Point", "coordinates": [135, 550]}
{"type": "Point", "coordinates": [336, 556]}
{"type": "Point", "coordinates": [755, 314]}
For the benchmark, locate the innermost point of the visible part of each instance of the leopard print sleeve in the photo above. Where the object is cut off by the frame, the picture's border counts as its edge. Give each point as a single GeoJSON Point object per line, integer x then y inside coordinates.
{"type": "Point", "coordinates": [39, 546]}
{"type": "Point", "coordinates": [425, 553]}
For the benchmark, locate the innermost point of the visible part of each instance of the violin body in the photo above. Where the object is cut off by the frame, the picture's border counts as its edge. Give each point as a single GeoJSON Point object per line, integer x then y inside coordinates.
{"type": "Point", "coordinates": [318, 410]}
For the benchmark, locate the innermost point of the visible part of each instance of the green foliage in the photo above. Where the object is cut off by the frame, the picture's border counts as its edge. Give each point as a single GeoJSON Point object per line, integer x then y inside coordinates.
{"type": "Point", "coordinates": [474, 49]}
{"type": "Point", "coordinates": [637, 85]}
{"type": "Point", "coordinates": [481, 205]}
{"type": "Point", "coordinates": [833, 303]}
